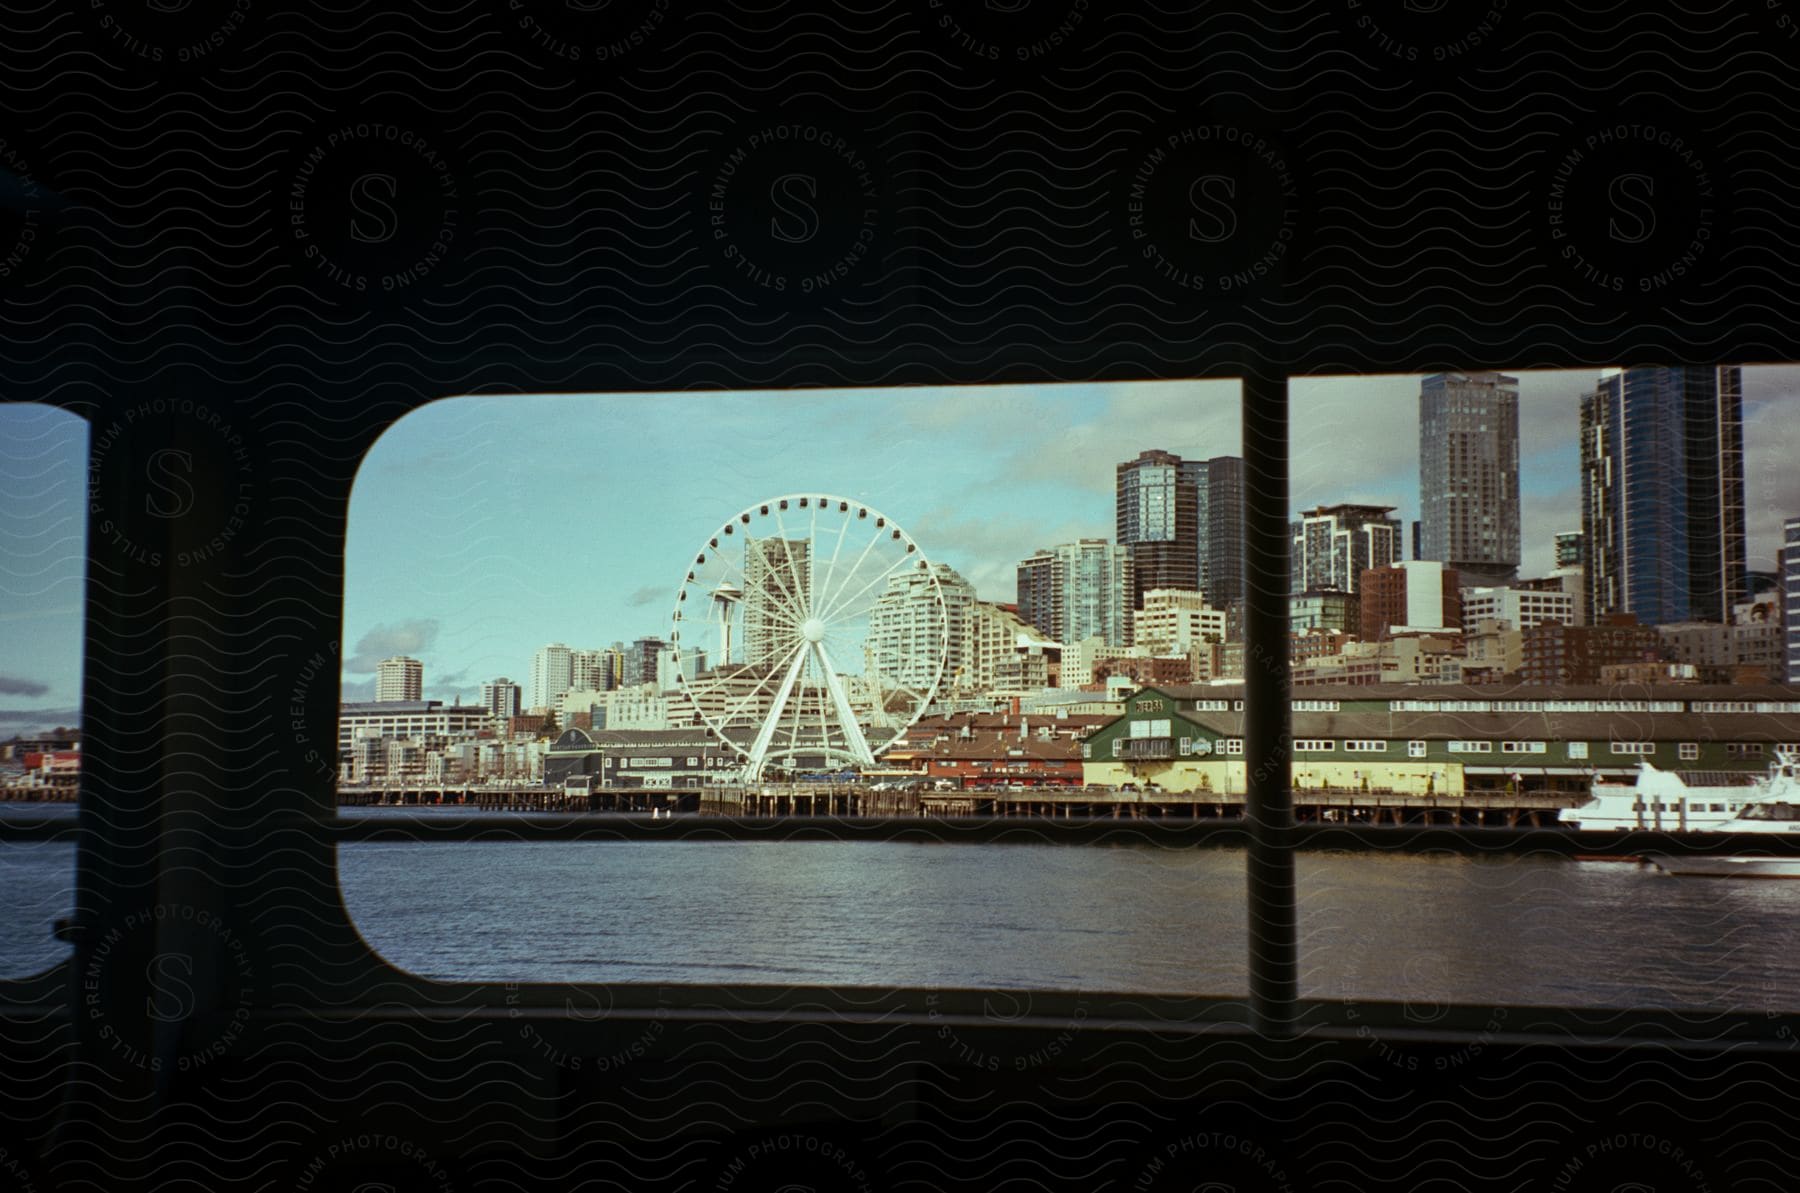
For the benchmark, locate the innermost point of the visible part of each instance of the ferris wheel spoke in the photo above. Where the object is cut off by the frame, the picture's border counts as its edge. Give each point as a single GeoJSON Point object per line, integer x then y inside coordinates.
{"type": "Point", "coordinates": [824, 583]}
{"type": "Point", "coordinates": [827, 599]}
{"type": "Point", "coordinates": [759, 749]}
{"type": "Point", "coordinates": [898, 564]}
{"type": "Point", "coordinates": [800, 597]}
{"type": "Point", "coordinates": [749, 699]}
{"type": "Point", "coordinates": [853, 734]}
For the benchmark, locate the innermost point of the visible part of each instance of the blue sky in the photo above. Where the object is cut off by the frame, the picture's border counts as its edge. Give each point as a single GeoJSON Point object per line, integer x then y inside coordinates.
{"type": "Point", "coordinates": [483, 528]}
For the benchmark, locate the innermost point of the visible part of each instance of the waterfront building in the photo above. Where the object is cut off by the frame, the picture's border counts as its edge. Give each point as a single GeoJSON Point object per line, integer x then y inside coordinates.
{"type": "Point", "coordinates": [1077, 590]}
{"type": "Point", "coordinates": [777, 585]}
{"type": "Point", "coordinates": [632, 758]}
{"type": "Point", "coordinates": [1333, 545]}
{"type": "Point", "coordinates": [431, 722]}
{"type": "Point", "coordinates": [1444, 741]}
{"type": "Point", "coordinates": [1469, 474]}
{"type": "Point", "coordinates": [1408, 595]}
{"type": "Point", "coordinates": [500, 697]}
{"type": "Point", "coordinates": [1662, 500]}
{"type": "Point", "coordinates": [399, 678]}
{"type": "Point", "coordinates": [552, 674]}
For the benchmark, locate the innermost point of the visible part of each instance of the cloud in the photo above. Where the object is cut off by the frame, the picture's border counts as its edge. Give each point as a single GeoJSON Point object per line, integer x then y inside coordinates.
{"type": "Point", "coordinates": [986, 551]}
{"type": "Point", "coordinates": [412, 637]}
{"type": "Point", "coordinates": [649, 594]}
{"type": "Point", "coordinates": [12, 685]}
{"type": "Point", "coordinates": [33, 720]}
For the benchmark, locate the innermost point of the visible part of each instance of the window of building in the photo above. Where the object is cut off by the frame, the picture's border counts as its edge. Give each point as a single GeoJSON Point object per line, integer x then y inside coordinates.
{"type": "Point", "coordinates": [1634, 747]}
{"type": "Point", "coordinates": [1743, 749]}
{"type": "Point", "coordinates": [1471, 747]}
{"type": "Point", "coordinates": [1366, 747]}
{"type": "Point", "coordinates": [1416, 749]}
{"type": "Point", "coordinates": [1578, 749]}
{"type": "Point", "coordinates": [1313, 745]}
{"type": "Point", "coordinates": [1234, 745]}
{"type": "Point", "coordinates": [1522, 747]}
{"type": "Point", "coordinates": [1690, 751]}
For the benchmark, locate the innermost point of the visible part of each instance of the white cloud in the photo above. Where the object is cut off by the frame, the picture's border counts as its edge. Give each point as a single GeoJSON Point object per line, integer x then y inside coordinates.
{"type": "Point", "coordinates": [412, 637]}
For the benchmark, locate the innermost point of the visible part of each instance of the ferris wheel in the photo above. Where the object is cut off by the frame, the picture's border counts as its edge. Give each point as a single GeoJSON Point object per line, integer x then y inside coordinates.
{"type": "Point", "coordinates": [809, 632]}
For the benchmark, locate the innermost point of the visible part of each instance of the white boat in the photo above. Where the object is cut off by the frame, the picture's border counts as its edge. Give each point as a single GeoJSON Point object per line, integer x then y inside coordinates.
{"type": "Point", "coordinates": [1661, 799]}
{"type": "Point", "coordinates": [1774, 810]}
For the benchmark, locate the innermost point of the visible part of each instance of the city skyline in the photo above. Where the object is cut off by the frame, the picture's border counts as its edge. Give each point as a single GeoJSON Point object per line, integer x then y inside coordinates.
{"type": "Point", "coordinates": [482, 529]}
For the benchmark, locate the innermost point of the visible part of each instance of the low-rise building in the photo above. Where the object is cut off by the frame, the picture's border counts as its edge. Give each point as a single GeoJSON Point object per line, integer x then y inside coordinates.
{"type": "Point", "coordinates": [1553, 653]}
{"type": "Point", "coordinates": [1447, 741]}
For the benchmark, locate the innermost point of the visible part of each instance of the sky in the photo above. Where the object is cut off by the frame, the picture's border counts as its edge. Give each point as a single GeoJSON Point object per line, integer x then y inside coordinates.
{"type": "Point", "coordinates": [484, 528]}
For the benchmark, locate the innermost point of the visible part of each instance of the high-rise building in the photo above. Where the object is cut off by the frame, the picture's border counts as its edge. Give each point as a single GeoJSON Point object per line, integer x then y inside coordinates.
{"type": "Point", "coordinates": [644, 664]}
{"type": "Point", "coordinates": [777, 586]}
{"type": "Point", "coordinates": [1158, 522]}
{"type": "Point", "coordinates": [1469, 474]}
{"type": "Point", "coordinates": [552, 674]}
{"type": "Point", "coordinates": [500, 697]}
{"type": "Point", "coordinates": [1333, 545]}
{"type": "Point", "coordinates": [592, 670]}
{"type": "Point", "coordinates": [399, 678]}
{"type": "Point", "coordinates": [1790, 597]}
{"type": "Point", "coordinates": [1077, 590]}
{"type": "Point", "coordinates": [914, 622]}
{"type": "Point", "coordinates": [1219, 516]}
{"type": "Point", "coordinates": [1662, 497]}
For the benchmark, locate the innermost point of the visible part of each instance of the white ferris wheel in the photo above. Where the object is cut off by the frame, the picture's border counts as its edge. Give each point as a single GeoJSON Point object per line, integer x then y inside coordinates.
{"type": "Point", "coordinates": [809, 633]}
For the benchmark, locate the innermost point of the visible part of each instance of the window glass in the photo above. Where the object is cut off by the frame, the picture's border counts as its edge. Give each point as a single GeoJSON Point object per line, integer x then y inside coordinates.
{"type": "Point", "coordinates": [604, 605]}
{"type": "Point", "coordinates": [1540, 580]}
{"type": "Point", "coordinates": [43, 537]}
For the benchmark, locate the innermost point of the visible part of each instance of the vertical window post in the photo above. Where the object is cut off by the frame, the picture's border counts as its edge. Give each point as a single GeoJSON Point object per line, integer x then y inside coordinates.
{"type": "Point", "coordinates": [1268, 728]}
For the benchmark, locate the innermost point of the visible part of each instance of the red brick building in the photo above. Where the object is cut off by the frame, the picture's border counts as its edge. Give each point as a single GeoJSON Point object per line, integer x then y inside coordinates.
{"type": "Point", "coordinates": [1385, 603]}
{"type": "Point", "coordinates": [1147, 672]}
{"type": "Point", "coordinates": [1557, 654]}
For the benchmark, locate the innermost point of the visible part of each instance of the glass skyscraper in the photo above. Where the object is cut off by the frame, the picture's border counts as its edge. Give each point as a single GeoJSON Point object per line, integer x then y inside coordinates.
{"type": "Point", "coordinates": [1662, 496]}
{"type": "Point", "coordinates": [1469, 475]}
{"type": "Point", "coordinates": [1182, 521]}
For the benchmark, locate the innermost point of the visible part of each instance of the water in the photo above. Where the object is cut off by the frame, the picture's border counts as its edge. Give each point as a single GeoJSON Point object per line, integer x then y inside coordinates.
{"type": "Point", "coordinates": [1515, 930]}
{"type": "Point", "coordinates": [1426, 929]}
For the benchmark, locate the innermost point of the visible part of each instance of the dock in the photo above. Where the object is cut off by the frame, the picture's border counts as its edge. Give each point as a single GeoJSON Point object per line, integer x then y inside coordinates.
{"type": "Point", "coordinates": [778, 800]}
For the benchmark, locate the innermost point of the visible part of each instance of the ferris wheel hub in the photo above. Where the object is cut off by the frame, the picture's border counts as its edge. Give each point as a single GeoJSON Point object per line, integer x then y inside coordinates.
{"type": "Point", "coordinates": [813, 630]}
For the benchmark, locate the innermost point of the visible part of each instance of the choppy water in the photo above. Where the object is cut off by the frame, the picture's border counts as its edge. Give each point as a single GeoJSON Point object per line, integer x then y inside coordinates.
{"type": "Point", "coordinates": [1123, 918]}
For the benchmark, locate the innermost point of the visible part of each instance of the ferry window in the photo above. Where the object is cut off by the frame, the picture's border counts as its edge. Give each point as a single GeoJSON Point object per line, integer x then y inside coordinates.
{"type": "Point", "coordinates": [940, 538]}
{"type": "Point", "coordinates": [1439, 520]}
{"type": "Point", "coordinates": [43, 537]}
